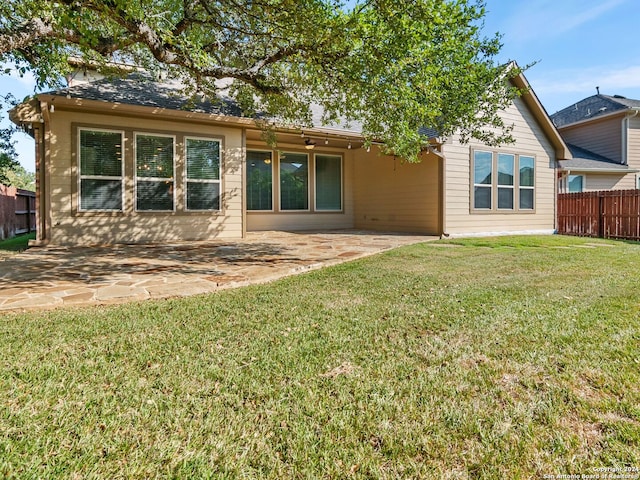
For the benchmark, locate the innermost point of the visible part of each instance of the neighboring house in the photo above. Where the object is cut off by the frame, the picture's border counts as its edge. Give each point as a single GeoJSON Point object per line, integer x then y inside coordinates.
{"type": "Point", "coordinates": [603, 133]}
{"type": "Point", "coordinates": [124, 161]}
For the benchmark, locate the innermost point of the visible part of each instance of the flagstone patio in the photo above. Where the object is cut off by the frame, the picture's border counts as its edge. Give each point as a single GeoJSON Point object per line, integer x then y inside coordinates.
{"type": "Point", "coordinates": [49, 277]}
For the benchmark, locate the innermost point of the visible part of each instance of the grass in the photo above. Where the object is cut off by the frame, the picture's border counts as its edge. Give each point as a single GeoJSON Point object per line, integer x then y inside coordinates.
{"type": "Point", "coordinates": [482, 358]}
{"type": "Point", "coordinates": [15, 244]}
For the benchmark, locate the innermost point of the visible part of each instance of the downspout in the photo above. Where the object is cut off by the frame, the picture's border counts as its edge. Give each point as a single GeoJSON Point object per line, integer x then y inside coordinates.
{"type": "Point", "coordinates": [442, 218]}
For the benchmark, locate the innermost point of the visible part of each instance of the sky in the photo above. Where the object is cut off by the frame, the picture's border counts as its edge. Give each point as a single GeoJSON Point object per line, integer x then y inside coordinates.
{"type": "Point", "coordinates": [574, 46]}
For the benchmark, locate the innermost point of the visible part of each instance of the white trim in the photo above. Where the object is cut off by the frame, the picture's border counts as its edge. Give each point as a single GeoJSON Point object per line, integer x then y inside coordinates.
{"type": "Point", "coordinates": [152, 179]}
{"type": "Point", "coordinates": [502, 233]}
{"type": "Point", "coordinates": [186, 174]}
{"type": "Point", "coordinates": [80, 177]}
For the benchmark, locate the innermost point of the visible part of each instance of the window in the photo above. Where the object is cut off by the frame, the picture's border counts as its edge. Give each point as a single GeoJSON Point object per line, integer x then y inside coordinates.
{"type": "Point", "coordinates": [259, 180]}
{"type": "Point", "coordinates": [576, 183]}
{"type": "Point", "coordinates": [328, 182]}
{"type": "Point", "coordinates": [526, 182]}
{"type": "Point", "coordinates": [154, 173]}
{"type": "Point", "coordinates": [506, 184]}
{"type": "Point", "coordinates": [101, 167]}
{"type": "Point", "coordinates": [482, 183]}
{"type": "Point", "coordinates": [503, 181]}
{"type": "Point", "coordinates": [203, 174]}
{"type": "Point", "coordinates": [294, 181]}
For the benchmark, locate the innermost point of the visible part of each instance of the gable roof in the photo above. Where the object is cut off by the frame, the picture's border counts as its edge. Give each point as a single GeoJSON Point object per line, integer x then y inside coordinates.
{"type": "Point", "coordinates": [541, 116]}
{"type": "Point", "coordinates": [593, 107]}
{"type": "Point", "coordinates": [586, 161]}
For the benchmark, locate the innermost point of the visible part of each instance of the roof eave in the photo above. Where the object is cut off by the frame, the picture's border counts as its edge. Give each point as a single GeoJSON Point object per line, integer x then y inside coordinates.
{"type": "Point", "coordinates": [532, 101]}
{"type": "Point", "coordinates": [598, 170]}
{"type": "Point", "coordinates": [605, 116]}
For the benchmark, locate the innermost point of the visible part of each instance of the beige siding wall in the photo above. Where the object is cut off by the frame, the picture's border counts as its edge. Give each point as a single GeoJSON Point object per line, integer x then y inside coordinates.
{"type": "Point", "coordinates": [394, 196]}
{"type": "Point", "coordinates": [71, 227]}
{"type": "Point", "coordinates": [311, 220]}
{"type": "Point", "coordinates": [634, 147]}
{"type": "Point", "coordinates": [603, 138]}
{"type": "Point", "coordinates": [531, 141]}
{"type": "Point", "coordinates": [595, 182]}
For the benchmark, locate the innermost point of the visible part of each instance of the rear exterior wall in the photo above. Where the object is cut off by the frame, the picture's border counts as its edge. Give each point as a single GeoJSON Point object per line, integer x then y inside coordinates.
{"type": "Point", "coordinates": [69, 226]}
{"type": "Point", "coordinates": [530, 140]}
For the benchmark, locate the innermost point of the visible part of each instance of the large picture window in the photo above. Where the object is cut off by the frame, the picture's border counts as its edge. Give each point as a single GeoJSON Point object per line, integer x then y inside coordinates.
{"type": "Point", "coordinates": [328, 182]}
{"type": "Point", "coordinates": [503, 182]}
{"type": "Point", "coordinates": [101, 170]}
{"type": "Point", "coordinates": [155, 182]}
{"type": "Point", "coordinates": [294, 181]}
{"type": "Point", "coordinates": [203, 174]}
{"type": "Point", "coordinates": [259, 180]}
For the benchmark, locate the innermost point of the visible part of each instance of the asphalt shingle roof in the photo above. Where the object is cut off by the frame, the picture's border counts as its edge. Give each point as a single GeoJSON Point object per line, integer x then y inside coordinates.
{"type": "Point", "coordinates": [137, 89]}
{"type": "Point", "coordinates": [593, 107]}
{"type": "Point", "coordinates": [586, 160]}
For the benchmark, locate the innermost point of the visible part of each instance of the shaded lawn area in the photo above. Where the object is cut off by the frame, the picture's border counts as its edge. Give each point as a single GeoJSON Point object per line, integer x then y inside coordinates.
{"type": "Point", "coordinates": [482, 358]}
{"type": "Point", "coordinates": [15, 244]}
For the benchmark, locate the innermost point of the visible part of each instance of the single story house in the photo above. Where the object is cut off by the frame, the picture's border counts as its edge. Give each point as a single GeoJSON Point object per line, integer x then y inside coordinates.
{"type": "Point", "coordinates": [603, 134]}
{"type": "Point", "coordinates": [124, 161]}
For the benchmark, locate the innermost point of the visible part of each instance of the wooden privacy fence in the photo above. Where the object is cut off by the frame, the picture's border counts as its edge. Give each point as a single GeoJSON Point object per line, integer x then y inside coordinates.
{"type": "Point", "coordinates": [17, 211]}
{"type": "Point", "coordinates": [604, 214]}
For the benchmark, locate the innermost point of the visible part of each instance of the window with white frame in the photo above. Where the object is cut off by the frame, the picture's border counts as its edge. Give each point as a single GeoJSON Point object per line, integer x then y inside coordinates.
{"type": "Point", "coordinates": [575, 183]}
{"type": "Point", "coordinates": [294, 181]}
{"type": "Point", "coordinates": [100, 170]}
{"type": "Point", "coordinates": [202, 174]}
{"type": "Point", "coordinates": [502, 182]}
{"type": "Point", "coordinates": [328, 169]}
{"type": "Point", "coordinates": [154, 172]}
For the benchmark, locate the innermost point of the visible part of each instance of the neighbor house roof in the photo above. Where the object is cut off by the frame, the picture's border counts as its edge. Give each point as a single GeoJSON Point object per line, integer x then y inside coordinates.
{"type": "Point", "coordinates": [586, 161]}
{"type": "Point", "coordinates": [593, 107]}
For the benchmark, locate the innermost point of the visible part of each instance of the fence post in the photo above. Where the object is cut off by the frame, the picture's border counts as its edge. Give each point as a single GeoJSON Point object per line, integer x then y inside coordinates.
{"type": "Point", "coordinates": [600, 216]}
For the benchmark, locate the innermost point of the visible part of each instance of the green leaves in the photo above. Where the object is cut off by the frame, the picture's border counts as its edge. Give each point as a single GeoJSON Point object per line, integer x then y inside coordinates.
{"type": "Point", "coordinates": [392, 65]}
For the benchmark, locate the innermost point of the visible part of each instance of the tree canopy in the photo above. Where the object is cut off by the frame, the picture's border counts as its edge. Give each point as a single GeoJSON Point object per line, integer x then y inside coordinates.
{"type": "Point", "coordinates": [8, 160]}
{"type": "Point", "coordinates": [394, 66]}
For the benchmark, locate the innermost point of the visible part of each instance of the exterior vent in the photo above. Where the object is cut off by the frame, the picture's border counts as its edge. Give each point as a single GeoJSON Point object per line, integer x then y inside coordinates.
{"type": "Point", "coordinates": [619, 96]}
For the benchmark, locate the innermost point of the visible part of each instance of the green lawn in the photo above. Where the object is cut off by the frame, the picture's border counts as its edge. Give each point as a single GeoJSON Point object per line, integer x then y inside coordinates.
{"type": "Point", "coordinates": [15, 244]}
{"type": "Point", "coordinates": [498, 358]}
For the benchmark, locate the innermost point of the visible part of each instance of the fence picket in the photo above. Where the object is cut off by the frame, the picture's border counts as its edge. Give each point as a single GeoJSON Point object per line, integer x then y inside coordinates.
{"type": "Point", "coordinates": [606, 214]}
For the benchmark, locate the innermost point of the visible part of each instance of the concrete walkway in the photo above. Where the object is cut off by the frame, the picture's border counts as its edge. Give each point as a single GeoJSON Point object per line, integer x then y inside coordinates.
{"type": "Point", "coordinates": [55, 276]}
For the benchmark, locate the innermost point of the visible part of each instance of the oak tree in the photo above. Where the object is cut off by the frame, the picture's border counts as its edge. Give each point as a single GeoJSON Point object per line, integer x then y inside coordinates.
{"type": "Point", "coordinates": [393, 66]}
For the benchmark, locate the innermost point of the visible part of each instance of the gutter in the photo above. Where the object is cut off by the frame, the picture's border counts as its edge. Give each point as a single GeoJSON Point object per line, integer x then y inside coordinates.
{"type": "Point", "coordinates": [598, 170]}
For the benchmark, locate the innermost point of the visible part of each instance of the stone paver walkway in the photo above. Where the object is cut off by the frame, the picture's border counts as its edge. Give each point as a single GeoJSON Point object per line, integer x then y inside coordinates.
{"type": "Point", "coordinates": [56, 276]}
